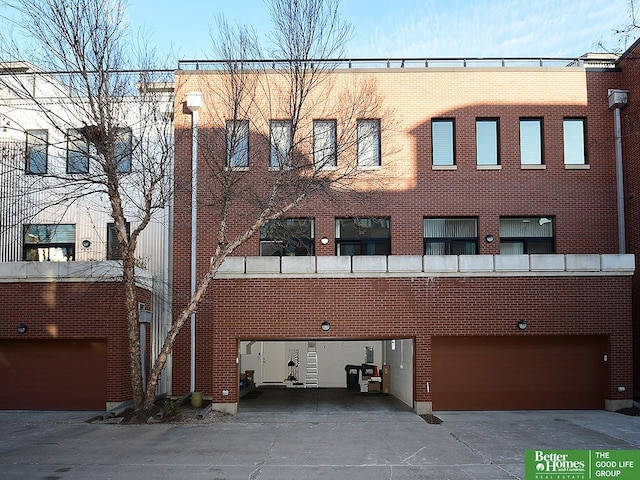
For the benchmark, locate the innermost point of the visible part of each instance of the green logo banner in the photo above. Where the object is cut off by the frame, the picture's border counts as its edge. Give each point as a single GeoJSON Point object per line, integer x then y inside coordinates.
{"type": "Point", "coordinates": [581, 464]}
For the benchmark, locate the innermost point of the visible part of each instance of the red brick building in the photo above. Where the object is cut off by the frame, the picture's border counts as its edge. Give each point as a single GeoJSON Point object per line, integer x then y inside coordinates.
{"type": "Point", "coordinates": [63, 343]}
{"type": "Point", "coordinates": [629, 64]}
{"type": "Point", "coordinates": [477, 255]}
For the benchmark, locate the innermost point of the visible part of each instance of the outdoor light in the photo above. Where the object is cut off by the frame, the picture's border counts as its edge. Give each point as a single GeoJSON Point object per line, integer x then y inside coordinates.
{"type": "Point", "coordinates": [86, 243]}
{"type": "Point", "coordinates": [522, 324]}
{"type": "Point", "coordinates": [22, 328]}
{"type": "Point", "coordinates": [489, 238]}
{"type": "Point", "coordinates": [324, 240]}
{"type": "Point", "coordinates": [325, 326]}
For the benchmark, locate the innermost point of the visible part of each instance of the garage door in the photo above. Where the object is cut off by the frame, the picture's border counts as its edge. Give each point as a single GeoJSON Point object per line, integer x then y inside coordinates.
{"type": "Point", "coordinates": [518, 373]}
{"type": "Point", "coordinates": [53, 375]}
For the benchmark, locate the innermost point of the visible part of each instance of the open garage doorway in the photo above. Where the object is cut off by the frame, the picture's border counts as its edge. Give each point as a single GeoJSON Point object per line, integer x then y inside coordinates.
{"type": "Point", "coordinates": [326, 366]}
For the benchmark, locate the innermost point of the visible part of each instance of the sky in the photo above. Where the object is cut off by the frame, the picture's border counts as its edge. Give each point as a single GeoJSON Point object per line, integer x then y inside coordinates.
{"type": "Point", "coordinates": [407, 28]}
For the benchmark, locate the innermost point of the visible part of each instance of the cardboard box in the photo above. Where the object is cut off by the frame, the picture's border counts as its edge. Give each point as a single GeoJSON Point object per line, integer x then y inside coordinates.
{"type": "Point", "coordinates": [249, 374]}
{"type": "Point", "coordinates": [386, 374]}
{"type": "Point", "coordinates": [374, 387]}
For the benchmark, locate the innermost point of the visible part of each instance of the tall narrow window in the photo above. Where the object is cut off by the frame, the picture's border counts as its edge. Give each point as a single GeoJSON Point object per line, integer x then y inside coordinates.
{"type": "Point", "coordinates": [442, 142]}
{"type": "Point", "coordinates": [77, 152]}
{"type": "Point", "coordinates": [237, 155]}
{"type": "Point", "coordinates": [526, 235]}
{"type": "Point", "coordinates": [123, 149]}
{"type": "Point", "coordinates": [280, 133]}
{"type": "Point", "coordinates": [369, 143]}
{"type": "Point", "coordinates": [487, 141]}
{"type": "Point", "coordinates": [49, 243]}
{"type": "Point", "coordinates": [287, 236]}
{"type": "Point", "coordinates": [113, 247]}
{"type": "Point", "coordinates": [324, 143]}
{"type": "Point", "coordinates": [531, 141]}
{"type": "Point", "coordinates": [36, 152]}
{"type": "Point", "coordinates": [574, 141]}
{"type": "Point", "coordinates": [450, 236]}
{"type": "Point", "coordinates": [363, 236]}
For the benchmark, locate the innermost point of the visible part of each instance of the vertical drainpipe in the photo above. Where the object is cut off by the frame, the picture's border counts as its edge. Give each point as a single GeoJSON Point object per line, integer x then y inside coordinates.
{"type": "Point", "coordinates": [618, 100]}
{"type": "Point", "coordinates": [194, 102]}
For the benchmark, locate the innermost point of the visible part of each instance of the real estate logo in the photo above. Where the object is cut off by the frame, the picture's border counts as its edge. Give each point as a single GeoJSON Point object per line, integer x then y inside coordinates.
{"type": "Point", "coordinates": [562, 464]}
{"type": "Point", "coordinates": [582, 464]}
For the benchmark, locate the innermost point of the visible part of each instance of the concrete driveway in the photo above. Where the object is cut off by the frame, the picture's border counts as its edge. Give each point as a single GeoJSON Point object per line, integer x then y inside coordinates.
{"type": "Point", "coordinates": [301, 445]}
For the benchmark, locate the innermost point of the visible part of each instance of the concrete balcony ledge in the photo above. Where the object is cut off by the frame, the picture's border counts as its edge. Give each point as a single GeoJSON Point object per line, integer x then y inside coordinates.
{"type": "Point", "coordinates": [104, 271]}
{"type": "Point", "coordinates": [428, 266]}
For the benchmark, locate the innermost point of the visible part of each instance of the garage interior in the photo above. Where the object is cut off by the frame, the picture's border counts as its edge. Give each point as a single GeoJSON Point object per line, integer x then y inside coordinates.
{"type": "Point", "coordinates": [321, 366]}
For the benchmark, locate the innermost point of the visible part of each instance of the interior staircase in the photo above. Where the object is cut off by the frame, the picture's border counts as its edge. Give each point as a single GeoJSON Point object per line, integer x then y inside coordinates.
{"type": "Point", "coordinates": [311, 377]}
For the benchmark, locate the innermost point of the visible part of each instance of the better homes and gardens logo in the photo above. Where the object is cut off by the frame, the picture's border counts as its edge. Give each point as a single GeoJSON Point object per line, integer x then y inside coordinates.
{"type": "Point", "coordinates": [582, 464]}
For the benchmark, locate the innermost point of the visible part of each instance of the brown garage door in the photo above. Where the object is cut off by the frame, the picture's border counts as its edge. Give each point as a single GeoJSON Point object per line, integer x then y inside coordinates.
{"type": "Point", "coordinates": [518, 373]}
{"type": "Point", "coordinates": [53, 375]}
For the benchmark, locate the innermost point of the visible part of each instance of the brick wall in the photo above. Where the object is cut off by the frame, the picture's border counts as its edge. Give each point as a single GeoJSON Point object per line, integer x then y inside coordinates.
{"type": "Point", "coordinates": [630, 116]}
{"type": "Point", "coordinates": [68, 311]}
{"type": "Point", "coordinates": [406, 189]}
{"type": "Point", "coordinates": [417, 308]}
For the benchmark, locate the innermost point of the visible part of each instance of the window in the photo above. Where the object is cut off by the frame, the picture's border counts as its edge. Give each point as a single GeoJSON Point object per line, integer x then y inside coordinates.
{"type": "Point", "coordinates": [280, 134]}
{"type": "Point", "coordinates": [487, 141]}
{"type": "Point", "coordinates": [237, 144]}
{"type": "Point", "coordinates": [450, 236]}
{"type": "Point", "coordinates": [288, 236]}
{"type": "Point", "coordinates": [526, 235]}
{"type": "Point", "coordinates": [77, 152]}
{"type": "Point", "coordinates": [37, 141]}
{"type": "Point", "coordinates": [574, 141]}
{"type": "Point", "coordinates": [113, 247]}
{"type": "Point", "coordinates": [442, 142]}
{"type": "Point", "coordinates": [49, 243]}
{"type": "Point", "coordinates": [531, 141]}
{"type": "Point", "coordinates": [369, 143]}
{"type": "Point", "coordinates": [324, 144]}
{"type": "Point", "coordinates": [122, 150]}
{"type": "Point", "coordinates": [363, 236]}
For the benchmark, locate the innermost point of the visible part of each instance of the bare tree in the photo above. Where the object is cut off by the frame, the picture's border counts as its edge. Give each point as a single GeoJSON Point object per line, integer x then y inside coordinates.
{"type": "Point", "coordinates": [101, 97]}
{"type": "Point", "coordinates": [87, 46]}
{"type": "Point", "coordinates": [272, 95]}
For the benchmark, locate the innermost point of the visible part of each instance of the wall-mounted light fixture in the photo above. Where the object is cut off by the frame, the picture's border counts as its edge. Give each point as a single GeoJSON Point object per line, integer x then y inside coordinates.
{"type": "Point", "coordinates": [522, 325]}
{"type": "Point", "coordinates": [324, 240]}
{"type": "Point", "coordinates": [86, 243]}
{"type": "Point", "coordinates": [489, 238]}
{"type": "Point", "coordinates": [22, 328]}
{"type": "Point", "coordinates": [325, 326]}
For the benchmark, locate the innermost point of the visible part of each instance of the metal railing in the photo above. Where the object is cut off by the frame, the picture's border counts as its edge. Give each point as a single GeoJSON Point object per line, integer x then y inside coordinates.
{"type": "Point", "coordinates": [383, 63]}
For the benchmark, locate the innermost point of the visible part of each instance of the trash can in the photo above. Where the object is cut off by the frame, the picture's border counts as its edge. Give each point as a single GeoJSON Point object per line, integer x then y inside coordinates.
{"type": "Point", "coordinates": [368, 370]}
{"type": "Point", "coordinates": [353, 377]}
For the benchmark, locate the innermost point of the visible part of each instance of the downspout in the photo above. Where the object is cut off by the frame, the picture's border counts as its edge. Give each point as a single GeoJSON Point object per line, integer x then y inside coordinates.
{"type": "Point", "coordinates": [194, 102]}
{"type": "Point", "coordinates": [617, 101]}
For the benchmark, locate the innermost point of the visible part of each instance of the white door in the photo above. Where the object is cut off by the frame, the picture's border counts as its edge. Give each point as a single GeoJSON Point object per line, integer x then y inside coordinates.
{"type": "Point", "coordinates": [274, 363]}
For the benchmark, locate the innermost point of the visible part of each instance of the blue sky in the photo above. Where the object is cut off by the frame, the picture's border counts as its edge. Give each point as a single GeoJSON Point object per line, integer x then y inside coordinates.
{"type": "Point", "coordinates": [408, 28]}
